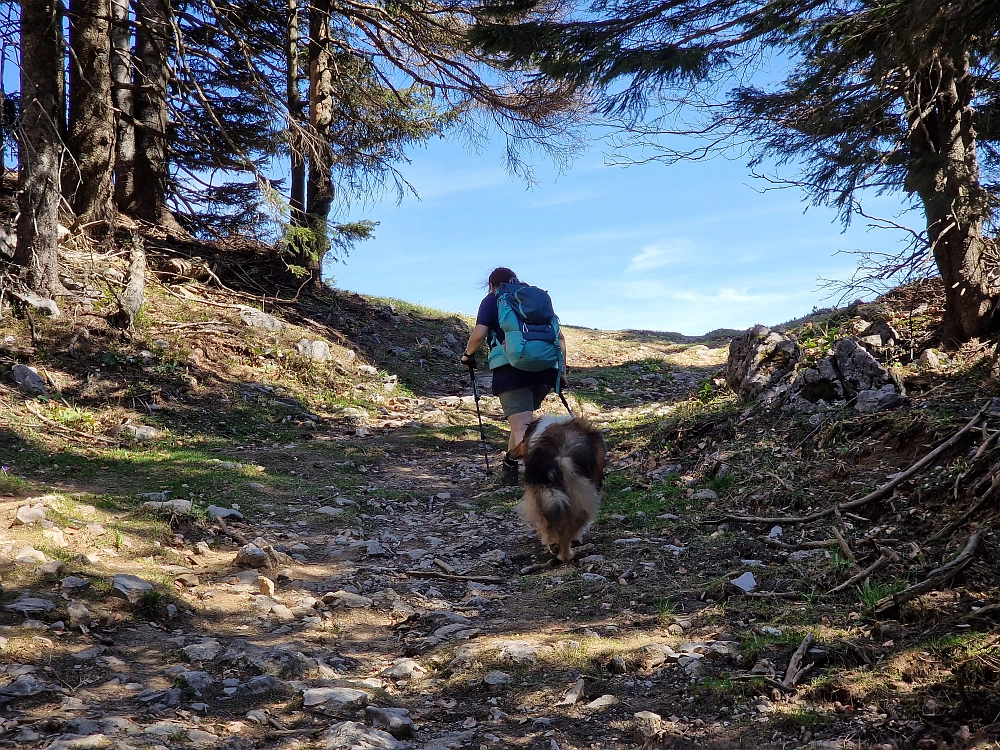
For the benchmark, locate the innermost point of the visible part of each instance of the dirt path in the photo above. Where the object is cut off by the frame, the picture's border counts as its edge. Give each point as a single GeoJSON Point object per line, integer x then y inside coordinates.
{"type": "Point", "coordinates": [398, 603]}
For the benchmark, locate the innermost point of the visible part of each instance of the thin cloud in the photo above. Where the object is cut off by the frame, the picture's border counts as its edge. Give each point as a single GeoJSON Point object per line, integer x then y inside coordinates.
{"type": "Point", "coordinates": [655, 256]}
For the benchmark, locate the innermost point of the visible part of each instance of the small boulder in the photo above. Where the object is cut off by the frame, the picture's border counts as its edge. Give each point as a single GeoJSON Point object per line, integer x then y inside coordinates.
{"type": "Point", "coordinates": [28, 380]}
{"type": "Point", "coordinates": [646, 724]}
{"type": "Point", "coordinates": [760, 362]}
{"type": "Point", "coordinates": [317, 351]}
{"type": "Point", "coordinates": [871, 400]}
{"type": "Point", "coordinates": [130, 588]}
{"type": "Point", "coordinates": [352, 735]}
{"type": "Point", "coordinates": [31, 605]}
{"type": "Point", "coordinates": [215, 511]}
{"type": "Point", "coordinates": [79, 615]}
{"type": "Point", "coordinates": [929, 360]}
{"type": "Point", "coordinates": [334, 698]}
{"type": "Point", "coordinates": [396, 721]}
{"type": "Point", "coordinates": [255, 318]}
{"type": "Point", "coordinates": [207, 650]}
{"type": "Point", "coordinates": [30, 514]}
{"type": "Point", "coordinates": [139, 432]}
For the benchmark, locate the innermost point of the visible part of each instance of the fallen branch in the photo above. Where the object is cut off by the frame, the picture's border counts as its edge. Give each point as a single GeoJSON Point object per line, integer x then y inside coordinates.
{"type": "Point", "coordinates": [444, 566]}
{"type": "Point", "coordinates": [844, 547]}
{"type": "Point", "coordinates": [937, 577]}
{"type": "Point", "coordinates": [230, 532]}
{"type": "Point", "coordinates": [796, 671]}
{"type": "Point", "coordinates": [537, 567]}
{"type": "Point", "coordinates": [62, 428]}
{"type": "Point", "coordinates": [987, 610]}
{"type": "Point", "coordinates": [987, 497]}
{"type": "Point", "coordinates": [881, 492]}
{"type": "Point", "coordinates": [885, 559]}
{"type": "Point", "coordinates": [453, 577]}
{"type": "Point", "coordinates": [623, 578]}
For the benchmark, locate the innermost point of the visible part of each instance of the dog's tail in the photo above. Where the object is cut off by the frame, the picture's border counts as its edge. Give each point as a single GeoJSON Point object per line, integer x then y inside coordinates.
{"type": "Point", "coordinates": [568, 513]}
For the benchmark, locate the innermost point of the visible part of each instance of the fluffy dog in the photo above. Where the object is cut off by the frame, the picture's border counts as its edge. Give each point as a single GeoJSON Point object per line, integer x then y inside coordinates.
{"type": "Point", "coordinates": [563, 474]}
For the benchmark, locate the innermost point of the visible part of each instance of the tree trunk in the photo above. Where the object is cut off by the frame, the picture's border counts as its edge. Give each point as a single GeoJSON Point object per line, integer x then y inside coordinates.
{"type": "Point", "coordinates": [944, 172]}
{"type": "Point", "coordinates": [121, 95]}
{"type": "Point", "coordinates": [320, 187]}
{"type": "Point", "coordinates": [40, 146]}
{"type": "Point", "coordinates": [87, 181]}
{"type": "Point", "coordinates": [297, 192]}
{"type": "Point", "coordinates": [152, 45]}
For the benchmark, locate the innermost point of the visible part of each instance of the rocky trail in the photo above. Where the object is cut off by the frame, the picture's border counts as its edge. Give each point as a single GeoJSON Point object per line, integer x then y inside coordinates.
{"type": "Point", "coordinates": [266, 568]}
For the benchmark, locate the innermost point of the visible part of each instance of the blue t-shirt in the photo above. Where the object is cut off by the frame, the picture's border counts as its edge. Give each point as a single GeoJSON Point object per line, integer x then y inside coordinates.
{"type": "Point", "coordinates": [507, 377]}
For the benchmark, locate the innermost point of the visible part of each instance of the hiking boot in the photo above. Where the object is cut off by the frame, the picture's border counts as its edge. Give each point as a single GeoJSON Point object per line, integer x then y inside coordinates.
{"type": "Point", "coordinates": [508, 473]}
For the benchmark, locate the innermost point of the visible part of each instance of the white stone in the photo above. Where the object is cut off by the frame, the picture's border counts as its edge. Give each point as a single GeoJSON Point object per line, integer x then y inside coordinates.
{"type": "Point", "coordinates": [334, 697]}
{"type": "Point", "coordinates": [30, 514]}
{"type": "Point", "coordinates": [605, 701]}
{"type": "Point", "coordinates": [205, 651]}
{"type": "Point", "coordinates": [352, 735]}
{"type": "Point", "coordinates": [496, 678]}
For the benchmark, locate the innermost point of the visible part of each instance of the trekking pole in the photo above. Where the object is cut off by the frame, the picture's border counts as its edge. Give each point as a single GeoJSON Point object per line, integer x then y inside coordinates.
{"type": "Point", "coordinates": [559, 390]}
{"type": "Point", "coordinates": [482, 432]}
{"type": "Point", "coordinates": [563, 399]}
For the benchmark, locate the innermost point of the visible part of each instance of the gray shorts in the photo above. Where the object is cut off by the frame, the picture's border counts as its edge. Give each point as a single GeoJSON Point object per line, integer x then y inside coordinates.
{"type": "Point", "coordinates": [524, 399]}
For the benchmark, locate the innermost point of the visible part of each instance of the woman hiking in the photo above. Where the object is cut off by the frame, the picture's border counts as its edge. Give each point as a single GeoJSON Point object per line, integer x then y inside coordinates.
{"type": "Point", "coordinates": [520, 390]}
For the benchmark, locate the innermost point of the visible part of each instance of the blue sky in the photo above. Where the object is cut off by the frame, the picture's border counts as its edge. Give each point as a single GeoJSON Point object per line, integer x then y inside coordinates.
{"type": "Point", "coordinates": [687, 248]}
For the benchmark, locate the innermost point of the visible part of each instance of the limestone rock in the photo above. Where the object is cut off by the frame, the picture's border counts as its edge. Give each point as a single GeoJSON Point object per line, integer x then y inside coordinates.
{"type": "Point", "coordinates": [396, 721]}
{"type": "Point", "coordinates": [129, 587]}
{"type": "Point", "coordinates": [647, 724]}
{"type": "Point", "coordinates": [30, 514]}
{"type": "Point", "coordinates": [497, 678]}
{"type": "Point", "coordinates": [334, 698]}
{"type": "Point", "coordinates": [871, 400]}
{"type": "Point", "coordinates": [37, 302]}
{"type": "Point", "coordinates": [197, 682]}
{"type": "Point", "coordinates": [404, 669]}
{"type": "Point", "coordinates": [31, 605]}
{"type": "Point", "coordinates": [260, 557]}
{"type": "Point", "coordinates": [317, 351]}
{"type": "Point", "coordinates": [258, 319]}
{"type": "Point", "coordinates": [79, 615]}
{"type": "Point", "coordinates": [140, 432]}
{"type": "Point", "coordinates": [207, 650]}
{"type": "Point", "coordinates": [605, 701]}
{"type": "Point", "coordinates": [352, 735]}
{"type": "Point", "coordinates": [28, 380]}
{"type": "Point", "coordinates": [929, 360]}
{"type": "Point", "coordinates": [215, 511]}
{"type": "Point", "coordinates": [29, 557]}
{"type": "Point", "coordinates": [347, 599]}
{"type": "Point", "coordinates": [760, 363]}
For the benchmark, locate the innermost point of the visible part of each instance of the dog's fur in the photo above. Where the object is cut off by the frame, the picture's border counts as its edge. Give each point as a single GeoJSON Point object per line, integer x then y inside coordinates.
{"type": "Point", "coordinates": [563, 474]}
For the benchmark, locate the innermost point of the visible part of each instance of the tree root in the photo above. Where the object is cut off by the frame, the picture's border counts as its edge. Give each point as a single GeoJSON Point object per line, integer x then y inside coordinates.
{"type": "Point", "coordinates": [881, 492]}
{"type": "Point", "coordinates": [935, 580]}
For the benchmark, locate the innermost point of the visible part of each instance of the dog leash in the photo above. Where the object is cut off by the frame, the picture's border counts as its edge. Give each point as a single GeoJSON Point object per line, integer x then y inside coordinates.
{"type": "Point", "coordinates": [482, 432]}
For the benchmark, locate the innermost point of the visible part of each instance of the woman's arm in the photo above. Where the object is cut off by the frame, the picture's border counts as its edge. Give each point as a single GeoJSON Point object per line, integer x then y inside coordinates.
{"type": "Point", "coordinates": [476, 339]}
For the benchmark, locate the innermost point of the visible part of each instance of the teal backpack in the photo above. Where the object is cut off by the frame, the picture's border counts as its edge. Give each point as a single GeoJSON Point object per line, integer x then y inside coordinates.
{"type": "Point", "coordinates": [530, 328]}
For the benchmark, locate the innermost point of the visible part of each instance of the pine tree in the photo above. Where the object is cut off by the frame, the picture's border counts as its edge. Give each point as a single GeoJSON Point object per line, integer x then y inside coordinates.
{"type": "Point", "coordinates": [883, 95]}
{"type": "Point", "coordinates": [40, 145]}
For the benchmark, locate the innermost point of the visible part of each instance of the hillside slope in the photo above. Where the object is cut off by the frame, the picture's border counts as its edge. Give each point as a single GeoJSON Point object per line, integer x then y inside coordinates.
{"type": "Point", "coordinates": [340, 439]}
